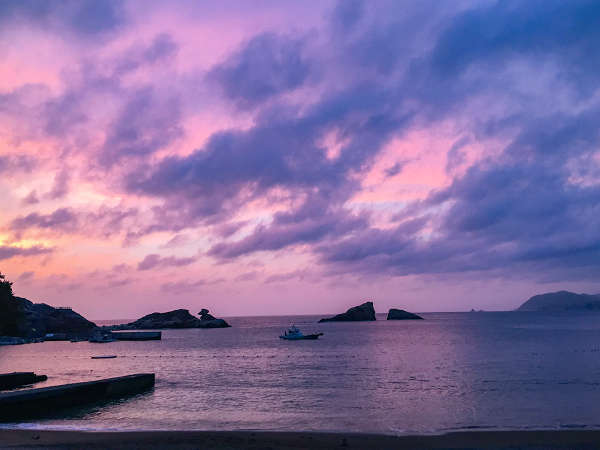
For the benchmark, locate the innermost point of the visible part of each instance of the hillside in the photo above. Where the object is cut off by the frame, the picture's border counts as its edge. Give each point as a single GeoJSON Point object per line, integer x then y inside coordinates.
{"type": "Point", "coordinates": [22, 318]}
{"type": "Point", "coordinates": [562, 301]}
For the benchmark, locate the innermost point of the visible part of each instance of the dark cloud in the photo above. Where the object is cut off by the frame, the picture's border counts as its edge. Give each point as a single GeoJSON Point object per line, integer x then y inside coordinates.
{"type": "Point", "coordinates": [62, 219]}
{"type": "Point", "coordinates": [266, 66]}
{"type": "Point", "coordinates": [182, 286]}
{"type": "Point", "coordinates": [145, 124]}
{"type": "Point", "coordinates": [26, 276]}
{"type": "Point", "coordinates": [347, 14]}
{"type": "Point", "coordinates": [82, 17]}
{"type": "Point", "coordinates": [248, 276]}
{"type": "Point", "coordinates": [283, 150]}
{"type": "Point", "coordinates": [300, 275]}
{"type": "Point", "coordinates": [540, 30]}
{"type": "Point", "coordinates": [154, 261]}
{"type": "Point", "coordinates": [31, 198]}
{"type": "Point", "coordinates": [310, 223]}
{"type": "Point", "coordinates": [61, 185]}
{"type": "Point", "coordinates": [456, 156]}
{"type": "Point", "coordinates": [177, 241]}
{"type": "Point", "coordinates": [104, 222]}
{"type": "Point", "coordinates": [7, 251]}
{"type": "Point", "coordinates": [16, 163]}
{"type": "Point", "coordinates": [160, 51]}
{"type": "Point", "coordinates": [395, 169]}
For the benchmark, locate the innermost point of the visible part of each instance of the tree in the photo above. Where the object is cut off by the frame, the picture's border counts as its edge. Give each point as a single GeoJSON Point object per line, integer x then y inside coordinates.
{"type": "Point", "coordinates": [5, 286]}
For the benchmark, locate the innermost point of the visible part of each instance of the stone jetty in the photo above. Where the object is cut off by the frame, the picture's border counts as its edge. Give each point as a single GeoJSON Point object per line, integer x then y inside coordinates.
{"type": "Point", "coordinates": [44, 401]}
{"type": "Point", "coordinates": [136, 335]}
{"type": "Point", "coordinates": [17, 379]}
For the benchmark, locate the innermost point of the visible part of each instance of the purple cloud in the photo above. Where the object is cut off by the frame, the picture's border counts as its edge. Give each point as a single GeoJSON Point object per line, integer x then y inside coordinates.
{"type": "Point", "coordinates": [267, 65]}
{"type": "Point", "coordinates": [7, 251]}
{"type": "Point", "coordinates": [154, 261]}
{"type": "Point", "coordinates": [63, 219]}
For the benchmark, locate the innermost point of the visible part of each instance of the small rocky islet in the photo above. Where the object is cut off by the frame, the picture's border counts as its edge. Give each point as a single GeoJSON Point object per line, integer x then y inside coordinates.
{"type": "Point", "coordinates": [179, 318]}
{"type": "Point", "coordinates": [366, 312]}
{"type": "Point", "coordinates": [400, 314]}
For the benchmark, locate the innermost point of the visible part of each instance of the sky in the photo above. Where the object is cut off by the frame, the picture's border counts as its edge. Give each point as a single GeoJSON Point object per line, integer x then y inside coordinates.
{"type": "Point", "coordinates": [286, 157]}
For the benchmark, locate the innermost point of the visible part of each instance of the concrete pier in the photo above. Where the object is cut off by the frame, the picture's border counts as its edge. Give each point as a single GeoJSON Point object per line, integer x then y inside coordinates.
{"type": "Point", "coordinates": [18, 379]}
{"type": "Point", "coordinates": [44, 401]}
{"type": "Point", "coordinates": [137, 335]}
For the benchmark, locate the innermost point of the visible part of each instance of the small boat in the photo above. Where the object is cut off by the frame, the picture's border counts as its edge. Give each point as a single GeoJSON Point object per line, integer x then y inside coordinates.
{"type": "Point", "coordinates": [104, 357]}
{"type": "Point", "coordinates": [294, 334]}
{"type": "Point", "coordinates": [102, 339]}
{"type": "Point", "coordinates": [78, 339]}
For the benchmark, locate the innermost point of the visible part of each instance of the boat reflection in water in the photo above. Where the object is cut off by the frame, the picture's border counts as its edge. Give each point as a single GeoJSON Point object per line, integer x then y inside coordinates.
{"type": "Point", "coordinates": [294, 334]}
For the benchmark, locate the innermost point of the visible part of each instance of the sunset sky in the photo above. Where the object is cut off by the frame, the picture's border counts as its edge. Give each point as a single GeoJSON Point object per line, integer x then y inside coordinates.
{"type": "Point", "coordinates": [279, 157]}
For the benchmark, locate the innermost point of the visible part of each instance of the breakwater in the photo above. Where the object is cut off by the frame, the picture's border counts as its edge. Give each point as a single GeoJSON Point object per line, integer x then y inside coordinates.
{"type": "Point", "coordinates": [43, 401]}
{"type": "Point", "coordinates": [18, 379]}
{"type": "Point", "coordinates": [136, 335]}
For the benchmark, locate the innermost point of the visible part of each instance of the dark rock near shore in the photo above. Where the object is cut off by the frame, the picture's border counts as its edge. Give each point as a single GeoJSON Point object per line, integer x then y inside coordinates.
{"type": "Point", "coordinates": [20, 317]}
{"type": "Point", "coordinates": [179, 318]}
{"type": "Point", "coordinates": [400, 314]}
{"type": "Point", "coordinates": [209, 321]}
{"type": "Point", "coordinates": [362, 312]}
{"type": "Point", "coordinates": [562, 301]}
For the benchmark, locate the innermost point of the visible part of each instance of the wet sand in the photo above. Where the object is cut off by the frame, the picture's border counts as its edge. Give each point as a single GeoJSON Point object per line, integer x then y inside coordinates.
{"type": "Point", "coordinates": [572, 439]}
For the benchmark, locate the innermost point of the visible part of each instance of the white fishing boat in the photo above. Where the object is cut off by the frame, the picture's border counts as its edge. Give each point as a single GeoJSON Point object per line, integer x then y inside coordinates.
{"type": "Point", "coordinates": [294, 334]}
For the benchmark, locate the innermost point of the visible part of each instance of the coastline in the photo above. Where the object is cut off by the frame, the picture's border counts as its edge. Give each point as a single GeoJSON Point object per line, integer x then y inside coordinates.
{"type": "Point", "coordinates": [19, 438]}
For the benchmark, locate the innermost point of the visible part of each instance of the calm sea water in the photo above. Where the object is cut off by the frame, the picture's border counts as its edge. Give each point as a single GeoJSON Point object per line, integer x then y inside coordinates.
{"type": "Point", "coordinates": [450, 371]}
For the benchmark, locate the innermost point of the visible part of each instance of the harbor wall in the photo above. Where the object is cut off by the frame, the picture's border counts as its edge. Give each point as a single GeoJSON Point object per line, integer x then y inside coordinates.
{"type": "Point", "coordinates": [44, 401]}
{"type": "Point", "coordinates": [18, 379]}
{"type": "Point", "coordinates": [137, 335]}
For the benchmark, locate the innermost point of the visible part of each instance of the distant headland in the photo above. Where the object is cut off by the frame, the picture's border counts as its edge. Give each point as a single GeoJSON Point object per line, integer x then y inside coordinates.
{"type": "Point", "coordinates": [562, 301]}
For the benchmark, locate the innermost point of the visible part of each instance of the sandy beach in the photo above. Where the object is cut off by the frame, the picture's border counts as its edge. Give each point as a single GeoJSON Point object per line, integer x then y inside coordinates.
{"type": "Point", "coordinates": [296, 440]}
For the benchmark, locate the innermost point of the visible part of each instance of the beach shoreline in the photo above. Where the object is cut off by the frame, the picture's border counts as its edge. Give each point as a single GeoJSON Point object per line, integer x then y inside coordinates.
{"type": "Point", "coordinates": [518, 439]}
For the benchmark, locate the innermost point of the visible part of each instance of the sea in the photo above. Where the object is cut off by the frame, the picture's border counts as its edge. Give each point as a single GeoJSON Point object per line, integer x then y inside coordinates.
{"type": "Point", "coordinates": [451, 371]}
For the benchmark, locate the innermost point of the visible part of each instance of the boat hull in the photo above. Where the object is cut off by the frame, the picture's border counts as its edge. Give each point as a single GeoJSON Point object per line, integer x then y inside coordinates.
{"type": "Point", "coordinates": [301, 338]}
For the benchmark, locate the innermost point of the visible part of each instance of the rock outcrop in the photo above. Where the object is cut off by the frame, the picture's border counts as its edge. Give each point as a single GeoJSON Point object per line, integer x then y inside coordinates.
{"type": "Point", "coordinates": [22, 318]}
{"type": "Point", "coordinates": [209, 321]}
{"type": "Point", "coordinates": [562, 301]}
{"type": "Point", "coordinates": [358, 313]}
{"type": "Point", "coordinates": [400, 314]}
{"type": "Point", "coordinates": [179, 318]}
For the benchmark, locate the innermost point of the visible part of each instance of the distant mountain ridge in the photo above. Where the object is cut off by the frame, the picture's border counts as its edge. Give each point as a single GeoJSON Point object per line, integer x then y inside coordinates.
{"type": "Point", "coordinates": [562, 301]}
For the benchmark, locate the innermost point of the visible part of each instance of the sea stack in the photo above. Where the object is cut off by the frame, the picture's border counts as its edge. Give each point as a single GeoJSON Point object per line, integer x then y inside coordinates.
{"type": "Point", "coordinates": [364, 312]}
{"type": "Point", "coordinates": [209, 321]}
{"type": "Point", "coordinates": [400, 314]}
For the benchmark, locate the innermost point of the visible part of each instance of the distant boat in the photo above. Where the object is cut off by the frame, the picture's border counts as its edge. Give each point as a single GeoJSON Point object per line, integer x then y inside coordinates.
{"type": "Point", "coordinates": [294, 334]}
{"type": "Point", "coordinates": [101, 339]}
{"type": "Point", "coordinates": [104, 357]}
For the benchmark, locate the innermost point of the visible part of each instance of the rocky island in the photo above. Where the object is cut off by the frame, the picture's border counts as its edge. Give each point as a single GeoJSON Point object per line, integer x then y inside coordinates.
{"type": "Point", "coordinates": [362, 312]}
{"type": "Point", "coordinates": [400, 314]}
{"type": "Point", "coordinates": [21, 318]}
{"type": "Point", "coordinates": [179, 318]}
{"type": "Point", "coordinates": [562, 301]}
